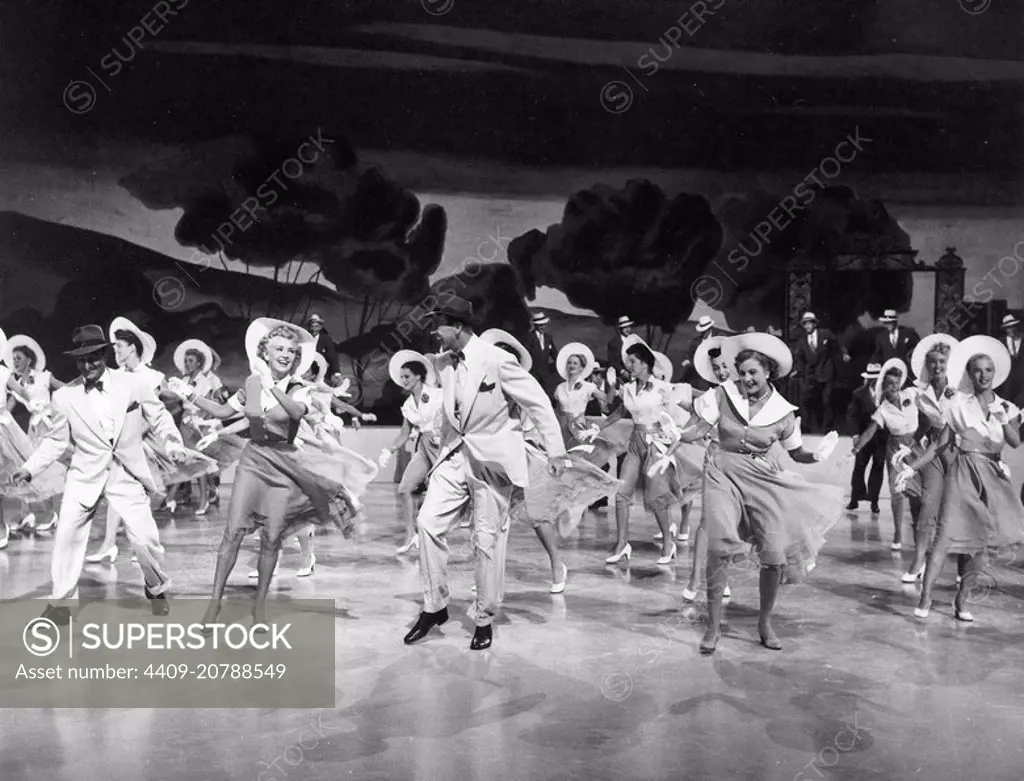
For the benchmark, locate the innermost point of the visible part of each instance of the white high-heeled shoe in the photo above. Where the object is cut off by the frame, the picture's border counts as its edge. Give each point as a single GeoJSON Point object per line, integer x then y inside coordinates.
{"type": "Point", "coordinates": [615, 558]}
{"type": "Point", "coordinates": [911, 577]}
{"type": "Point", "coordinates": [305, 572]}
{"type": "Point", "coordinates": [689, 595]}
{"type": "Point", "coordinates": [255, 574]}
{"type": "Point", "coordinates": [98, 558]}
{"type": "Point", "coordinates": [28, 523]}
{"type": "Point", "coordinates": [414, 542]}
{"type": "Point", "coordinates": [559, 587]}
{"type": "Point", "coordinates": [668, 559]}
{"type": "Point", "coordinates": [50, 524]}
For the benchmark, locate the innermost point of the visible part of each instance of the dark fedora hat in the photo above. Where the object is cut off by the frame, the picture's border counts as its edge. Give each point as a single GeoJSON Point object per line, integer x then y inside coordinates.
{"type": "Point", "coordinates": [87, 339]}
{"type": "Point", "coordinates": [456, 307]}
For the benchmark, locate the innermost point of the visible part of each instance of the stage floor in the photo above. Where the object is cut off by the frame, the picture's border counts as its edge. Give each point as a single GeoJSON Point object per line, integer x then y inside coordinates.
{"type": "Point", "coordinates": [604, 681]}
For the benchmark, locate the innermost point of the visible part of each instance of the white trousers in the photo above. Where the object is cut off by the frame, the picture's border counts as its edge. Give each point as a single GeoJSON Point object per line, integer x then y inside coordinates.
{"type": "Point", "coordinates": [127, 498]}
{"type": "Point", "coordinates": [457, 486]}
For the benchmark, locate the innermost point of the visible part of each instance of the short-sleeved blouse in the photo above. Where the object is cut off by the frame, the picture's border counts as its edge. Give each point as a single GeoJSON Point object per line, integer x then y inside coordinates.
{"type": "Point", "coordinates": [573, 400]}
{"type": "Point", "coordinates": [976, 434]}
{"type": "Point", "coordinates": [425, 413]}
{"type": "Point", "coordinates": [902, 420]}
{"type": "Point", "coordinates": [647, 404]}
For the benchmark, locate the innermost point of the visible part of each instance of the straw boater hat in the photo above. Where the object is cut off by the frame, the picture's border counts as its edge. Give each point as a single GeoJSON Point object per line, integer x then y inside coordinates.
{"type": "Point", "coordinates": [30, 344]}
{"type": "Point", "coordinates": [496, 336]}
{"type": "Point", "coordinates": [200, 347]}
{"type": "Point", "coordinates": [872, 372]}
{"type": "Point", "coordinates": [766, 344]}
{"type": "Point", "coordinates": [624, 322]}
{"type": "Point", "coordinates": [402, 357]}
{"type": "Point", "coordinates": [146, 340]}
{"type": "Point", "coordinates": [921, 350]}
{"type": "Point", "coordinates": [702, 358]}
{"type": "Point", "coordinates": [1009, 321]}
{"type": "Point", "coordinates": [961, 355]}
{"type": "Point", "coordinates": [889, 316]}
{"type": "Point", "coordinates": [705, 324]}
{"type": "Point", "coordinates": [809, 316]}
{"type": "Point", "coordinates": [539, 318]}
{"type": "Point", "coordinates": [892, 363]}
{"type": "Point", "coordinates": [571, 349]}
{"type": "Point", "coordinates": [261, 326]}
{"type": "Point", "coordinates": [662, 367]}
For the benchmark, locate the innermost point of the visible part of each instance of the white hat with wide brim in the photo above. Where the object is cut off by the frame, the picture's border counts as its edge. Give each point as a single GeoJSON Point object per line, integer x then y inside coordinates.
{"type": "Point", "coordinates": [216, 361]}
{"type": "Point", "coordinates": [921, 350]}
{"type": "Point", "coordinates": [320, 364]}
{"type": "Point", "coordinates": [766, 344]}
{"type": "Point", "coordinates": [200, 347]}
{"type": "Point", "coordinates": [702, 358]}
{"type": "Point", "coordinates": [27, 342]}
{"type": "Point", "coordinates": [147, 340]}
{"type": "Point", "coordinates": [498, 336]}
{"type": "Point", "coordinates": [262, 326]}
{"type": "Point", "coordinates": [961, 355]}
{"type": "Point", "coordinates": [892, 363]}
{"type": "Point", "coordinates": [402, 357]}
{"type": "Point", "coordinates": [571, 349]}
{"type": "Point", "coordinates": [663, 368]}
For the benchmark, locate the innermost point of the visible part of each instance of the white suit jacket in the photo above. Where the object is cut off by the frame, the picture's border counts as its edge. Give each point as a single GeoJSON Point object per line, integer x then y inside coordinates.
{"type": "Point", "coordinates": [136, 410]}
{"type": "Point", "coordinates": [490, 435]}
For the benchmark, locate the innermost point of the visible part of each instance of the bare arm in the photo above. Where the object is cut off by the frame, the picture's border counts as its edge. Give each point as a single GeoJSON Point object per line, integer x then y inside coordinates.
{"type": "Point", "coordinates": [296, 410]}
{"type": "Point", "coordinates": [935, 447]}
{"type": "Point", "coordinates": [211, 407]}
{"type": "Point", "coordinates": [403, 436]}
{"type": "Point", "coordinates": [865, 437]}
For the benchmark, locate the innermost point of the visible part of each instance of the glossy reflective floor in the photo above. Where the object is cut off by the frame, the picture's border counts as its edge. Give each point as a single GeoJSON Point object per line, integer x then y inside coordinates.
{"type": "Point", "coordinates": [602, 682]}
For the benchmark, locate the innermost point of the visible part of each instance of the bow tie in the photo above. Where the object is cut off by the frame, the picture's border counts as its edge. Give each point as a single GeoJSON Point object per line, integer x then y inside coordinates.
{"type": "Point", "coordinates": [458, 357]}
{"type": "Point", "coordinates": [94, 385]}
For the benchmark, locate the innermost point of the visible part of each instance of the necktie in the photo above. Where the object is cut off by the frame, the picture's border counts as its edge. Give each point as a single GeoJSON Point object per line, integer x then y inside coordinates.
{"type": "Point", "coordinates": [893, 338]}
{"type": "Point", "coordinates": [94, 385]}
{"type": "Point", "coordinates": [457, 357]}
{"type": "Point", "coordinates": [814, 340]}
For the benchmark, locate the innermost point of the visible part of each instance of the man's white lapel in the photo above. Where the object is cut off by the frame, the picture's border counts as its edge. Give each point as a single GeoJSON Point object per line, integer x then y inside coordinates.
{"type": "Point", "coordinates": [473, 378]}
{"type": "Point", "coordinates": [81, 406]}
{"type": "Point", "coordinates": [121, 390]}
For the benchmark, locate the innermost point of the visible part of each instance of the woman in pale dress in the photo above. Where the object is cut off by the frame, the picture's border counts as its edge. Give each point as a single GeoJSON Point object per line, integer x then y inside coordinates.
{"type": "Point", "coordinates": [935, 396]}
{"type": "Point", "coordinates": [574, 364]}
{"type": "Point", "coordinates": [714, 367]}
{"type": "Point", "coordinates": [980, 515]}
{"type": "Point", "coordinates": [749, 499]}
{"type": "Point", "coordinates": [32, 386]}
{"type": "Point", "coordinates": [193, 359]}
{"type": "Point", "coordinates": [898, 413]}
{"type": "Point", "coordinates": [219, 394]}
{"type": "Point", "coordinates": [647, 400]}
{"type": "Point", "coordinates": [134, 351]}
{"type": "Point", "coordinates": [280, 486]}
{"type": "Point", "coordinates": [422, 415]}
{"type": "Point", "coordinates": [551, 506]}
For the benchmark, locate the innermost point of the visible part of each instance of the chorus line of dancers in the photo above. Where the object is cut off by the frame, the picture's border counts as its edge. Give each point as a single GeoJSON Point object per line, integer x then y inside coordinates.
{"type": "Point", "coordinates": [491, 450]}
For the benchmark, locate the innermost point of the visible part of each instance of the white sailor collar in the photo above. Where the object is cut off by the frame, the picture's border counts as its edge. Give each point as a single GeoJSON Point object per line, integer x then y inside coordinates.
{"type": "Point", "coordinates": [774, 410]}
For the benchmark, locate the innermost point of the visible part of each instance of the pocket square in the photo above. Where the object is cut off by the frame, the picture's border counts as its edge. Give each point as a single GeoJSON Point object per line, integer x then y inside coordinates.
{"type": "Point", "coordinates": [133, 406]}
{"type": "Point", "coordinates": [486, 387]}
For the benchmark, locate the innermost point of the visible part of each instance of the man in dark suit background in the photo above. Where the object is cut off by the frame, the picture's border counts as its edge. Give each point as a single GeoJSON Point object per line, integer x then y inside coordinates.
{"type": "Point", "coordinates": [543, 351]}
{"type": "Point", "coordinates": [324, 344]}
{"type": "Point", "coordinates": [896, 341]}
{"type": "Point", "coordinates": [815, 357]}
{"type": "Point", "coordinates": [705, 330]}
{"type": "Point", "coordinates": [862, 407]}
{"type": "Point", "coordinates": [614, 356]}
{"type": "Point", "coordinates": [1013, 388]}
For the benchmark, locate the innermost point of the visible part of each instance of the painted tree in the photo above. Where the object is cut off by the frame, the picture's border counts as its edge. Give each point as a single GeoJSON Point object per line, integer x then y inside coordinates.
{"type": "Point", "coordinates": [630, 251]}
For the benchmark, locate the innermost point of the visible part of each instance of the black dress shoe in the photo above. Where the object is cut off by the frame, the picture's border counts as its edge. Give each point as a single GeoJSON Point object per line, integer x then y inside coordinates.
{"type": "Point", "coordinates": [481, 639]}
{"type": "Point", "coordinates": [158, 603]}
{"type": "Point", "coordinates": [61, 616]}
{"type": "Point", "coordinates": [852, 505]}
{"type": "Point", "coordinates": [424, 624]}
{"type": "Point", "coordinates": [875, 509]}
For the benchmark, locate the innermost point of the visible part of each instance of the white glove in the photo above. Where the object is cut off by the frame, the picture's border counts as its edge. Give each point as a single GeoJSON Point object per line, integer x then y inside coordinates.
{"type": "Point", "coordinates": [260, 367]}
{"type": "Point", "coordinates": [180, 387]}
{"type": "Point", "coordinates": [583, 449]}
{"type": "Point", "coordinates": [904, 477]}
{"type": "Point", "coordinates": [208, 440]}
{"type": "Point", "coordinates": [1000, 414]}
{"type": "Point", "coordinates": [590, 434]}
{"type": "Point", "coordinates": [385, 457]}
{"type": "Point", "coordinates": [659, 466]}
{"type": "Point", "coordinates": [342, 390]}
{"type": "Point", "coordinates": [828, 444]}
{"type": "Point", "coordinates": [898, 457]}
{"type": "Point", "coordinates": [368, 417]}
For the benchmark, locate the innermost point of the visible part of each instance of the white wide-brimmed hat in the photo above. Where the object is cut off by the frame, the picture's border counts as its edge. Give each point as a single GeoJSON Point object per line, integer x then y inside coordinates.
{"type": "Point", "coordinates": [261, 326]}
{"type": "Point", "coordinates": [624, 322]}
{"type": "Point", "coordinates": [1009, 321]}
{"type": "Point", "coordinates": [402, 357]}
{"type": "Point", "coordinates": [872, 371]}
{"type": "Point", "coordinates": [319, 366]}
{"type": "Point", "coordinates": [766, 344]}
{"type": "Point", "coordinates": [663, 367]}
{"type": "Point", "coordinates": [889, 316]}
{"type": "Point", "coordinates": [960, 356]}
{"type": "Point", "coordinates": [892, 363]}
{"type": "Point", "coordinates": [28, 343]}
{"type": "Point", "coordinates": [571, 349]}
{"type": "Point", "coordinates": [146, 340]}
{"type": "Point", "coordinates": [200, 347]}
{"type": "Point", "coordinates": [702, 362]}
{"type": "Point", "coordinates": [705, 324]}
{"type": "Point", "coordinates": [498, 336]}
{"type": "Point", "coordinates": [216, 361]}
{"type": "Point", "coordinates": [921, 350]}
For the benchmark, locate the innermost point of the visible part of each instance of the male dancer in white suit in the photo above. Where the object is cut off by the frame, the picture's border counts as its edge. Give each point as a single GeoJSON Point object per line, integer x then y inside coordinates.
{"type": "Point", "coordinates": [104, 415]}
{"type": "Point", "coordinates": [482, 459]}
